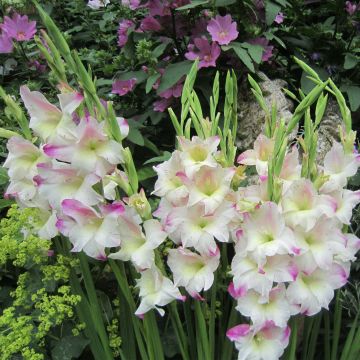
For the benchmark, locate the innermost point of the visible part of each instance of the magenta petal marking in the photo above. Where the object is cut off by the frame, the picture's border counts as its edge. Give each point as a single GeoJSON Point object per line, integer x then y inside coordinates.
{"type": "Point", "coordinates": [238, 331]}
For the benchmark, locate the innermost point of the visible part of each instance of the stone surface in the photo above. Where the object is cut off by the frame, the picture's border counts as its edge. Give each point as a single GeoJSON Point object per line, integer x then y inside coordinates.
{"type": "Point", "coordinates": [252, 118]}
{"type": "Point", "coordinates": [328, 129]}
{"type": "Point", "coordinates": [250, 115]}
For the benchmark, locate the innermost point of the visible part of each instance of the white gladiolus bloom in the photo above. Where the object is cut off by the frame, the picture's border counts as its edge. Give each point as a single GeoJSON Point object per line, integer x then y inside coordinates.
{"type": "Point", "coordinates": [339, 166]}
{"type": "Point", "coordinates": [196, 153]}
{"type": "Point", "coordinates": [313, 291]}
{"type": "Point", "coordinates": [155, 290]}
{"type": "Point", "coordinates": [263, 149]}
{"type": "Point", "coordinates": [193, 271]}
{"type": "Point", "coordinates": [276, 309]}
{"type": "Point", "coordinates": [209, 186]}
{"type": "Point", "coordinates": [302, 205]}
{"type": "Point", "coordinates": [136, 246]}
{"type": "Point", "coordinates": [266, 343]}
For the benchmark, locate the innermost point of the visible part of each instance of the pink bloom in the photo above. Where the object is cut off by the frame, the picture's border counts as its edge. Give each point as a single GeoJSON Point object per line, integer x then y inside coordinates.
{"type": "Point", "coordinates": [175, 91]}
{"type": "Point", "coordinates": [6, 45]}
{"type": "Point", "coordinates": [200, 28]}
{"type": "Point", "coordinates": [36, 65]}
{"type": "Point", "coordinates": [158, 7]}
{"type": "Point", "coordinates": [222, 29]}
{"type": "Point", "coordinates": [122, 87]}
{"type": "Point", "coordinates": [132, 4]}
{"type": "Point", "coordinates": [19, 27]}
{"type": "Point", "coordinates": [150, 24]}
{"type": "Point", "coordinates": [206, 52]}
{"type": "Point", "coordinates": [162, 105]}
{"type": "Point", "coordinates": [279, 18]}
{"type": "Point", "coordinates": [268, 49]}
{"type": "Point", "coordinates": [124, 26]}
{"type": "Point", "coordinates": [351, 8]}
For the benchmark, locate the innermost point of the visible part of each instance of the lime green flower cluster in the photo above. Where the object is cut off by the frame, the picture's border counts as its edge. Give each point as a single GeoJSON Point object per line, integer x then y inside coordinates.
{"type": "Point", "coordinates": [42, 298]}
{"type": "Point", "coordinates": [144, 52]}
{"type": "Point", "coordinates": [18, 243]}
{"type": "Point", "coordinates": [17, 4]}
{"type": "Point", "coordinates": [114, 338]}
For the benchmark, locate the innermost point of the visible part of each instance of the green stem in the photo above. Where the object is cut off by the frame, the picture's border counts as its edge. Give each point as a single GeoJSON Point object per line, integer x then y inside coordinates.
{"type": "Point", "coordinates": [228, 346]}
{"type": "Point", "coordinates": [337, 326]}
{"type": "Point", "coordinates": [292, 350]}
{"type": "Point", "coordinates": [83, 310]}
{"type": "Point", "coordinates": [212, 318]}
{"type": "Point", "coordinates": [327, 336]}
{"type": "Point", "coordinates": [154, 336]}
{"type": "Point", "coordinates": [179, 331]}
{"type": "Point", "coordinates": [190, 327]}
{"type": "Point", "coordinates": [96, 312]}
{"type": "Point", "coordinates": [202, 333]}
{"type": "Point", "coordinates": [120, 275]}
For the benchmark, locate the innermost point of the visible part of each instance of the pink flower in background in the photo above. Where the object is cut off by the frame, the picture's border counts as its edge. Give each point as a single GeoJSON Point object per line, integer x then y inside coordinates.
{"type": "Point", "coordinates": [162, 105]}
{"type": "Point", "coordinates": [19, 27]}
{"type": "Point", "coordinates": [124, 26]}
{"type": "Point", "coordinates": [6, 45]}
{"type": "Point", "coordinates": [204, 51]}
{"type": "Point", "coordinates": [174, 91]}
{"type": "Point", "coordinates": [132, 4]}
{"type": "Point", "coordinates": [222, 29]}
{"type": "Point", "coordinates": [36, 65]}
{"type": "Point", "coordinates": [149, 23]}
{"type": "Point", "coordinates": [268, 49]}
{"type": "Point", "coordinates": [122, 87]}
{"type": "Point", "coordinates": [200, 28]}
{"type": "Point", "coordinates": [158, 7]}
{"type": "Point", "coordinates": [351, 8]}
{"type": "Point", "coordinates": [279, 18]}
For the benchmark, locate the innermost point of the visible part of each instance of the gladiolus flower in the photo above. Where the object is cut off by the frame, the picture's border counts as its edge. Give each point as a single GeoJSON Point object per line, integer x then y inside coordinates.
{"type": "Point", "coordinates": [194, 272]}
{"type": "Point", "coordinates": [47, 121]}
{"type": "Point", "coordinates": [197, 153]}
{"type": "Point", "coordinates": [263, 149]}
{"type": "Point", "coordinates": [204, 51]}
{"type": "Point", "coordinates": [276, 308]}
{"type": "Point", "coordinates": [19, 27]}
{"type": "Point", "coordinates": [313, 291]}
{"type": "Point", "coordinates": [92, 151]}
{"type": "Point", "coordinates": [90, 230]}
{"type": "Point", "coordinates": [267, 343]}
{"type": "Point", "coordinates": [222, 29]}
{"type": "Point", "coordinates": [339, 166]}
{"type": "Point", "coordinates": [155, 290]}
{"type": "Point", "coordinates": [136, 246]}
{"type": "Point", "coordinates": [122, 87]}
{"type": "Point", "coordinates": [59, 181]}
{"type": "Point", "coordinates": [303, 206]}
{"type": "Point", "coordinates": [22, 159]}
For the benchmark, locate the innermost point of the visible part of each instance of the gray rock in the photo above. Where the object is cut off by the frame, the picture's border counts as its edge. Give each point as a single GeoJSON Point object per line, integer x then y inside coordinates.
{"type": "Point", "coordinates": [251, 118]}
{"type": "Point", "coordinates": [328, 129]}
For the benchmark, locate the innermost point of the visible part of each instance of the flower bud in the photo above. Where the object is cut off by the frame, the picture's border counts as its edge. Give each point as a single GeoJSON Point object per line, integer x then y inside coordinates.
{"type": "Point", "coordinates": [141, 204]}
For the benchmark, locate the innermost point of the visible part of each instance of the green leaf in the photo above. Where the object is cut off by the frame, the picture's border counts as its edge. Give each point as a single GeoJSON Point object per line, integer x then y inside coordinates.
{"type": "Point", "coordinates": [350, 61]}
{"type": "Point", "coordinates": [139, 75]}
{"type": "Point", "coordinates": [4, 203]}
{"type": "Point", "coordinates": [151, 81]}
{"type": "Point", "coordinates": [224, 2]}
{"type": "Point", "coordinates": [135, 136]}
{"type": "Point", "coordinates": [193, 4]}
{"type": "Point", "coordinates": [353, 93]}
{"type": "Point", "coordinates": [173, 73]}
{"type": "Point", "coordinates": [271, 10]}
{"type": "Point", "coordinates": [241, 53]}
{"type": "Point", "coordinates": [159, 50]}
{"type": "Point", "coordinates": [306, 84]}
{"type": "Point", "coordinates": [4, 178]}
{"type": "Point", "coordinates": [69, 347]}
{"type": "Point", "coordinates": [255, 51]}
{"type": "Point", "coordinates": [146, 173]}
{"type": "Point", "coordinates": [164, 157]}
